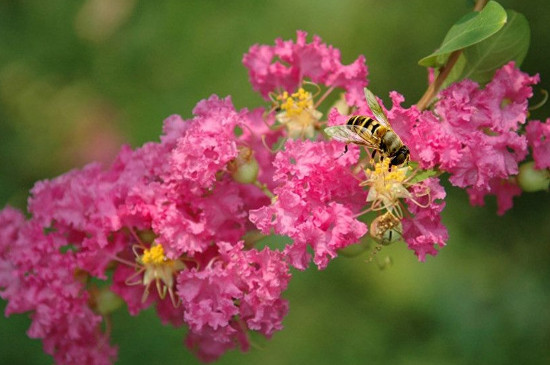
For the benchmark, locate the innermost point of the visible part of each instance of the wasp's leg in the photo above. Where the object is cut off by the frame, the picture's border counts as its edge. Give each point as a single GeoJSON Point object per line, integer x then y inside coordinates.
{"type": "Point", "coordinates": [345, 151]}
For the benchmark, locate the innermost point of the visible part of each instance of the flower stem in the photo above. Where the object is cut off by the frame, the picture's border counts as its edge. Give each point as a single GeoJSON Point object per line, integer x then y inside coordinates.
{"type": "Point", "coordinates": [433, 89]}
{"type": "Point", "coordinates": [480, 4]}
{"type": "Point", "coordinates": [265, 190]}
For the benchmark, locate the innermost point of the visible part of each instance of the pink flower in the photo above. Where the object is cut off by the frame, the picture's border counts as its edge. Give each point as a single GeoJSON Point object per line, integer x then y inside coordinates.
{"type": "Point", "coordinates": [79, 200]}
{"type": "Point", "coordinates": [486, 121]}
{"type": "Point", "coordinates": [317, 197]}
{"type": "Point", "coordinates": [424, 232]}
{"type": "Point", "coordinates": [82, 205]}
{"type": "Point", "coordinates": [178, 194]}
{"type": "Point", "coordinates": [185, 223]}
{"type": "Point", "coordinates": [256, 126]}
{"type": "Point", "coordinates": [426, 137]}
{"type": "Point", "coordinates": [504, 99]}
{"type": "Point", "coordinates": [235, 291]}
{"type": "Point", "coordinates": [183, 194]}
{"type": "Point", "coordinates": [207, 297]}
{"type": "Point", "coordinates": [472, 133]}
{"type": "Point", "coordinates": [207, 145]}
{"type": "Point", "coordinates": [209, 344]}
{"type": "Point", "coordinates": [192, 199]}
{"type": "Point", "coordinates": [503, 189]}
{"type": "Point", "coordinates": [487, 157]}
{"type": "Point", "coordinates": [43, 281]}
{"type": "Point", "coordinates": [285, 65]}
{"type": "Point", "coordinates": [538, 136]}
{"type": "Point", "coordinates": [11, 223]}
{"type": "Point", "coordinates": [173, 128]}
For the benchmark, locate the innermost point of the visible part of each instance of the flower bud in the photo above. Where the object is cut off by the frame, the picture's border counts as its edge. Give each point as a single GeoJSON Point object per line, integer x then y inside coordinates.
{"type": "Point", "coordinates": [104, 301]}
{"type": "Point", "coordinates": [244, 168]}
{"type": "Point", "coordinates": [531, 179]}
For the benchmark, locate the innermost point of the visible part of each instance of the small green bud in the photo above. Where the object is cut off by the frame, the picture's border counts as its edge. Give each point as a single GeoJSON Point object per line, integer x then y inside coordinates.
{"type": "Point", "coordinates": [105, 301]}
{"type": "Point", "coordinates": [244, 169]}
{"type": "Point", "coordinates": [531, 179]}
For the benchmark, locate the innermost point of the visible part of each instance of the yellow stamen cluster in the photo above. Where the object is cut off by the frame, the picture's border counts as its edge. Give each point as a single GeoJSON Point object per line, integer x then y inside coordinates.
{"type": "Point", "coordinates": [382, 169]}
{"type": "Point", "coordinates": [156, 267]}
{"type": "Point", "coordinates": [295, 103]}
{"type": "Point", "coordinates": [387, 186]}
{"type": "Point", "coordinates": [153, 256]}
{"type": "Point", "coordinates": [298, 113]}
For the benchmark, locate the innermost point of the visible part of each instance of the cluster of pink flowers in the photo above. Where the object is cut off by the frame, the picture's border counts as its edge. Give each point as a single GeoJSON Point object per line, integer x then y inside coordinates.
{"type": "Point", "coordinates": [85, 221]}
{"type": "Point", "coordinates": [287, 64]}
{"type": "Point", "coordinates": [473, 133]}
{"type": "Point", "coordinates": [317, 199]}
{"type": "Point", "coordinates": [169, 224]}
{"type": "Point", "coordinates": [424, 231]}
{"type": "Point", "coordinates": [40, 274]}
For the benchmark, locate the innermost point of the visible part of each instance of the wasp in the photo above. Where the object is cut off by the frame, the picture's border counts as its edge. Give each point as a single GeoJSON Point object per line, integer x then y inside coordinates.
{"type": "Point", "coordinates": [375, 134]}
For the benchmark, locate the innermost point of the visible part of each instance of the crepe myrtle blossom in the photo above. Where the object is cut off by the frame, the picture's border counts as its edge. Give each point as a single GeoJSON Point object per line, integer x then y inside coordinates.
{"type": "Point", "coordinates": [39, 273]}
{"type": "Point", "coordinates": [158, 219]}
{"type": "Point", "coordinates": [176, 224]}
{"type": "Point", "coordinates": [473, 133]}
{"type": "Point", "coordinates": [408, 208]}
{"type": "Point", "coordinates": [423, 230]}
{"type": "Point", "coordinates": [238, 289]}
{"type": "Point", "coordinates": [292, 75]}
{"type": "Point", "coordinates": [286, 65]}
{"type": "Point", "coordinates": [317, 198]}
{"type": "Point", "coordinates": [164, 224]}
{"type": "Point", "coordinates": [405, 208]}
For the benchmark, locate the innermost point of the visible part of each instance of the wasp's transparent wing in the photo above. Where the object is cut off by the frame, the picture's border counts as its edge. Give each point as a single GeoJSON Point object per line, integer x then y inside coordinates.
{"type": "Point", "coordinates": [349, 134]}
{"type": "Point", "coordinates": [376, 109]}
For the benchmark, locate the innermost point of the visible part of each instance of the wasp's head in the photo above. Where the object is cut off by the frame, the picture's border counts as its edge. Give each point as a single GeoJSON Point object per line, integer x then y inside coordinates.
{"type": "Point", "coordinates": [400, 157]}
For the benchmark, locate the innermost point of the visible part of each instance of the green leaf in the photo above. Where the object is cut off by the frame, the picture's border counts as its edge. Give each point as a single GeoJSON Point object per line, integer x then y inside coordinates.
{"type": "Point", "coordinates": [470, 29]}
{"type": "Point", "coordinates": [510, 43]}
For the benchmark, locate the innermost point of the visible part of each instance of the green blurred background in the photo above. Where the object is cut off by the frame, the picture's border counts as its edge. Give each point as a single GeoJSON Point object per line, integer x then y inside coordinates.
{"type": "Point", "coordinates": [79, 78]}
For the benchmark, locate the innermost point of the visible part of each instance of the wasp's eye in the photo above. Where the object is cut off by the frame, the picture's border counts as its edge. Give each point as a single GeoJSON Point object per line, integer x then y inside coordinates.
{"type": "Point", "coordinates": [401, 157]}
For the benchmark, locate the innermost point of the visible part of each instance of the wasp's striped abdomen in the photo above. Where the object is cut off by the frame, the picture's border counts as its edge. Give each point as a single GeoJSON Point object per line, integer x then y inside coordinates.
{"type": "Point", "coordinates": [366, 125]}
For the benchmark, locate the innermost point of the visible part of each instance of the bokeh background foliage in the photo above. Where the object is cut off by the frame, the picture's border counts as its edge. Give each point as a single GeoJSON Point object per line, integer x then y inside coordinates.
{"type": "Point", "coordinates": [79, 78]}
